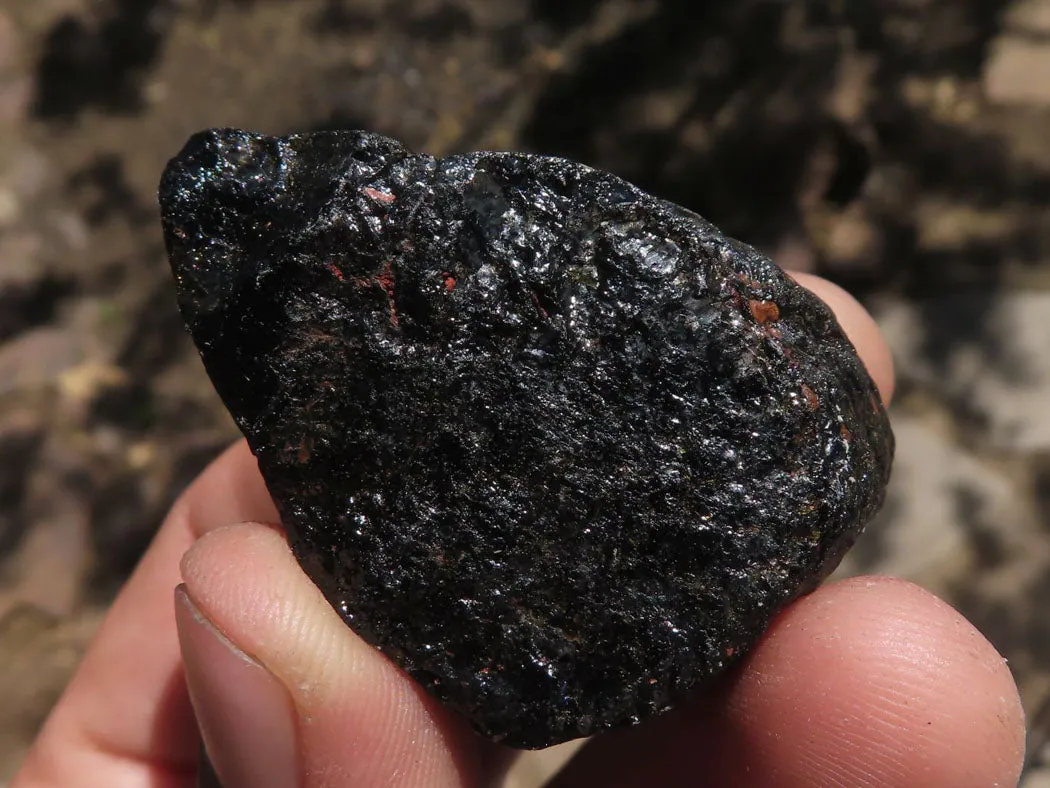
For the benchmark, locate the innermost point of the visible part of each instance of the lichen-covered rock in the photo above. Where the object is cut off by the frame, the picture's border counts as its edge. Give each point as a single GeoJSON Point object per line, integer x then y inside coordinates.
{"type": "Point", "coordinates": [558, 448]}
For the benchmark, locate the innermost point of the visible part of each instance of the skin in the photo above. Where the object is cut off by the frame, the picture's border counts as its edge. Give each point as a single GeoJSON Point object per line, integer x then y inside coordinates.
{"type": "Point", "coordinates": [865, 682]}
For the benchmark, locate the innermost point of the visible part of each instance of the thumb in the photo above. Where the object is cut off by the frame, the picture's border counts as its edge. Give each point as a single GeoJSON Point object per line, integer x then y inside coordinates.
{"type": "Point", "coordinates": [246, 717]}
{"type": "Point", "coordinates": [286, 694]}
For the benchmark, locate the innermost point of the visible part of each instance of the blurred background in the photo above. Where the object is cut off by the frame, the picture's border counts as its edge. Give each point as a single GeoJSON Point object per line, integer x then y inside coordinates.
{"type": "Point", "coordinates": [898, 147]}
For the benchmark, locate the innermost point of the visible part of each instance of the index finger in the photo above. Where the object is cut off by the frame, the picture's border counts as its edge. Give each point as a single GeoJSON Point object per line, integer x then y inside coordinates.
{"type": "Point", "coordinates": [859, 326]}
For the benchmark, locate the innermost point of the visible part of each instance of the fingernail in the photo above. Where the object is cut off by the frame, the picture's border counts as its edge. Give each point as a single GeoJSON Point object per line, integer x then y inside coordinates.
{"type": "Point", "coordinates": [246, 716]}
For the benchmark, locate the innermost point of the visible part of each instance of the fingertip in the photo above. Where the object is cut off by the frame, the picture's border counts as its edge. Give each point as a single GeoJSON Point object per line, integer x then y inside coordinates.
{"type": "Point", "coordinates": [859, 326]}
{"type": "Point", "coordinates": [245, 716]}
{"type": "Point", "coordinates": [879, 683]}
{"type": "Point", "coordinates": [360, 716]}
{"type": "Point", "coordinates": [869, 682]}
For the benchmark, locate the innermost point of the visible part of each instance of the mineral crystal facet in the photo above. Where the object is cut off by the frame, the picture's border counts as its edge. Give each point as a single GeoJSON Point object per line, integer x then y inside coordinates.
{"type": "Point", "coordinates": [557, 447]}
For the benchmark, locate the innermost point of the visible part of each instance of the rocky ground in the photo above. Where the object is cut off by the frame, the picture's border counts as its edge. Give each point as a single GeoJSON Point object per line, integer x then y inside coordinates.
{"type": "Point", "coordinates": [900, 147]}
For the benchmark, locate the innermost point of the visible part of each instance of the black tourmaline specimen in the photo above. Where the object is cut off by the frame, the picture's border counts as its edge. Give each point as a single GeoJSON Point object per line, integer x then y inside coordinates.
{"type": "Point", "coordinates": [557, 447]}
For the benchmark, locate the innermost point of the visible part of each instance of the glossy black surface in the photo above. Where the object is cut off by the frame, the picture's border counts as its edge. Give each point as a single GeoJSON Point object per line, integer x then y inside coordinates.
{"type": "Point", "coordinates": [559, 448]}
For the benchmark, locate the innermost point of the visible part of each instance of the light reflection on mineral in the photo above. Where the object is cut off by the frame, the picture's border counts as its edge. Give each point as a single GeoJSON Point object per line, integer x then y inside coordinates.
{"type": "Point", "coordinates": [550, 443]}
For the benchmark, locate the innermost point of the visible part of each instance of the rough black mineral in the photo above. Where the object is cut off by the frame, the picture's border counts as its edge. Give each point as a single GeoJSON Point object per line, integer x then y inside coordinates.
{"type": "Point", "coordinates": [557, 447]}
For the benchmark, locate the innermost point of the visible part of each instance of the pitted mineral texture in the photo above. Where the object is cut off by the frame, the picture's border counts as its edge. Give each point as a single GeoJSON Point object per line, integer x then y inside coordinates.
{"type": "Point", "coordinates": [557, 447]}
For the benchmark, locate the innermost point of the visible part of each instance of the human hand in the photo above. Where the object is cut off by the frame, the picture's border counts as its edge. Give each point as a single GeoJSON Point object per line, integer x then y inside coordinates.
{"type": "Point", "coordinates": [865, 682]}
